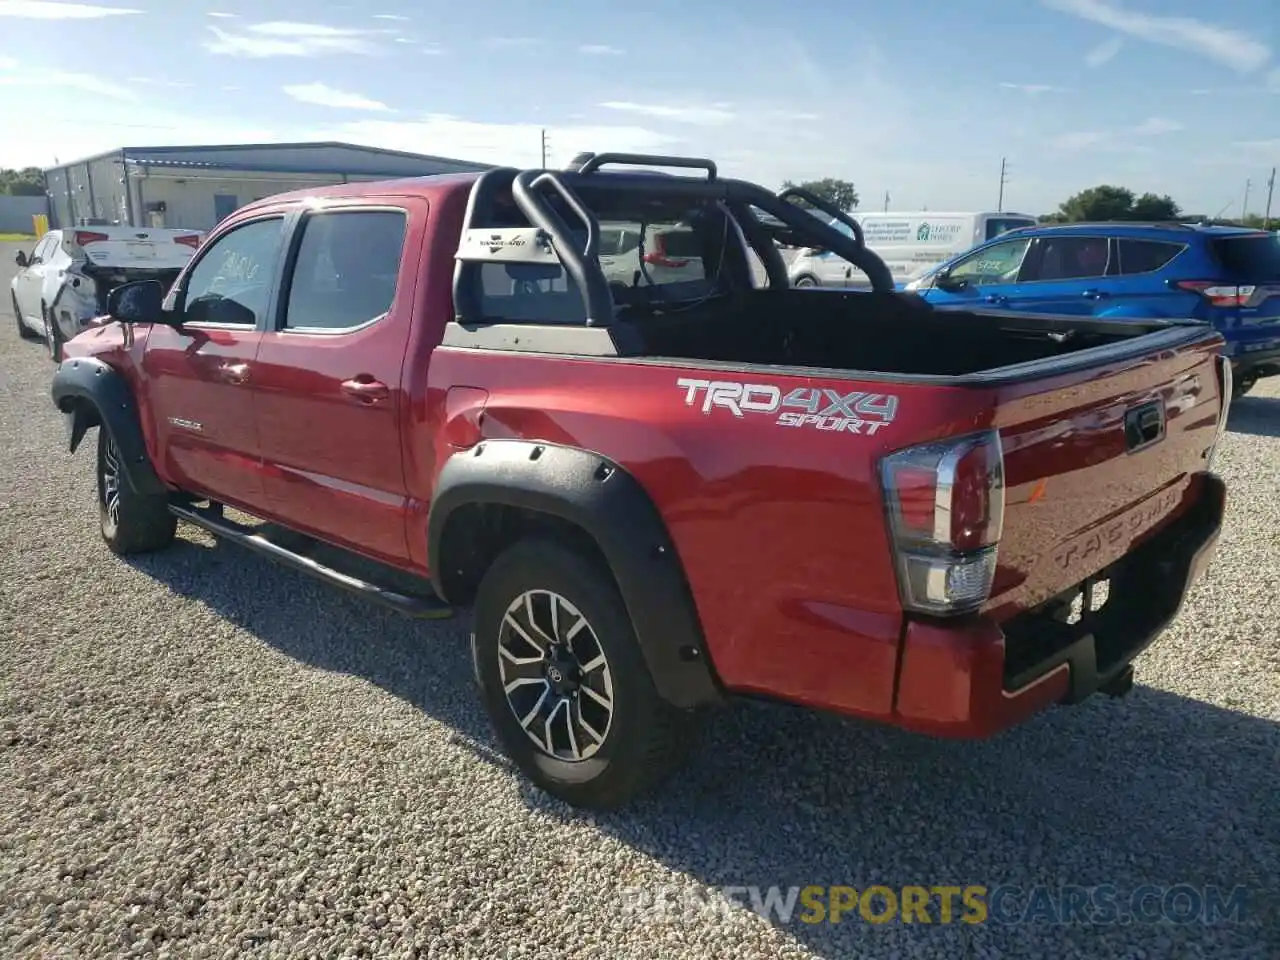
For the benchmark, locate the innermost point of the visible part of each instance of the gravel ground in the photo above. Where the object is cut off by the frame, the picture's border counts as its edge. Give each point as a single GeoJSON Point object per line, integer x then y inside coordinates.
{"type": "Point", "coordinates": [203, 755]}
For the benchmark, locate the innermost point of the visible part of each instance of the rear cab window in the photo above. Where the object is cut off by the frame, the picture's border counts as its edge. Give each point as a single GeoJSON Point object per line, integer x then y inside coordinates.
{"type": "Point", "coordinates": [1253, 258]}
{"type": "Point", "coordinates": [651, 251]}
{"type": "Point", "coordinates": [346, 269]}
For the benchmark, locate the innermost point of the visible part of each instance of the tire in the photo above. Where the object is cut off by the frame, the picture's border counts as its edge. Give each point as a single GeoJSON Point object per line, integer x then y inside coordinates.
{"type": "Point", "coordinates": [806, 281]}
{"type": "Point", "coordinates": [1242, 386]}
{"type": "Point", "coordinates": [624, 750]}
{"type": "Point", "coordinates": [130, 522]}
{"type": "Point", "coordinates": [52, 335]}
{"type": "Point", "coordinates": [23, 330]}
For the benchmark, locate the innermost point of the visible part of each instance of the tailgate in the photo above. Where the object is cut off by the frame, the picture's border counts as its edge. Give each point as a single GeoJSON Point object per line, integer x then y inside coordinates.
{"type": "Point", "coordinates": [1097, 463]}
{"type": "Point", "coordinates": [123, 248]}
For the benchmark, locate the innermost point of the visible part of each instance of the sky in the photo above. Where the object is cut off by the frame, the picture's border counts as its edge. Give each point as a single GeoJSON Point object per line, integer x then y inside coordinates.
{"type": "Point", "coordinates": [917, 101]}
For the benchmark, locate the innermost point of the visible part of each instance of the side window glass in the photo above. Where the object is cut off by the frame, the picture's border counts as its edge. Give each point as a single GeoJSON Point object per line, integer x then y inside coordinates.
{"type": "Point", "coordinates": [346, 271]}
{"type": "Point", "coordinates": [1146, 256]}
{"type": "Point", "coordinates": [998, 263]}
{"type": "Point", "coordinates": [231, 283]}
{"type": "Point", "coordinates": [41, 252]}
{"type": "Point", "coordinates": [1071, 258]}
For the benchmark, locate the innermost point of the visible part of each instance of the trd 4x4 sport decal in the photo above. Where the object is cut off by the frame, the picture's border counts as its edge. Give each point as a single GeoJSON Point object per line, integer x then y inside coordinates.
{"type": "Point", "coordinates": [856, 412]}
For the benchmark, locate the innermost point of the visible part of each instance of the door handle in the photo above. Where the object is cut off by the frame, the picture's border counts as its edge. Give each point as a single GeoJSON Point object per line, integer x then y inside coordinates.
{"type": "Point", "coordinates": [234, 373]}
{"type": "Point", "coordinates": [365, 389]}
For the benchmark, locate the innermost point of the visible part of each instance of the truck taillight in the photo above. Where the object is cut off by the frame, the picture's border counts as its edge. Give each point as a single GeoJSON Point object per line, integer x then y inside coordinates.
{"type": "Point", "coordinates": [946, 511]}
{"type": "Point", "coordinates": [1221, 294]}
{"type": "Point", "coordinates": [658, 256]}
{"type": "Point", "coordinates": [188, 240]}
{"type": "Point", "coordinates": [86, 237]}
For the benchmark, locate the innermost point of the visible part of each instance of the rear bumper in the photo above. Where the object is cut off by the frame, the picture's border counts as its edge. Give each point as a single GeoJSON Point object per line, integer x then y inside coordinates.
{"type": "Point", "coordinates": [1256, 354]}
{"type": "Point", "coordinates": [974, 679]}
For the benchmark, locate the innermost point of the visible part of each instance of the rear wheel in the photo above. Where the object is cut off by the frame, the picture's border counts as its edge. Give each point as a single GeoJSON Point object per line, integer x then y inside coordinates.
{"type": "Point", "coordinates": [1242, 385]}
{"type": "Point", "coordinates": [52, 334]}
{"type": "Point", "coordinates": [564, 681]}
{"type": "Point", "coordinates": [805, 281]}
{"type": "Point", "coordinates": [130, 522]}
{"type": "Point", "coordinates": [23, 330]}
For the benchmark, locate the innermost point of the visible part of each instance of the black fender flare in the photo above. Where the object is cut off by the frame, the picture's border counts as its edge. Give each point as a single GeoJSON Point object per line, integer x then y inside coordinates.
{"type": "Point", "coordinates": [599, 496]}
{"type": "Point", "coordinates": [92, 393]}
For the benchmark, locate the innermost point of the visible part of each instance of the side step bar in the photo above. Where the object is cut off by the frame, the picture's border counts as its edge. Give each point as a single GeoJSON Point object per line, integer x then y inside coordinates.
{"type": "Point", "coordinates": [420, 607]}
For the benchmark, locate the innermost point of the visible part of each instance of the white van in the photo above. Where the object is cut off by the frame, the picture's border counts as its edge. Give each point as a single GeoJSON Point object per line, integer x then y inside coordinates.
{"type": "Point", "coordinates": [909, 243]}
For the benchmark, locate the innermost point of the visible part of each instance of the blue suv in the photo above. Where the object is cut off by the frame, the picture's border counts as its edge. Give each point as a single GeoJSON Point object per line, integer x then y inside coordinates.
{"type": "Point", "coordinates": [1227, 276]}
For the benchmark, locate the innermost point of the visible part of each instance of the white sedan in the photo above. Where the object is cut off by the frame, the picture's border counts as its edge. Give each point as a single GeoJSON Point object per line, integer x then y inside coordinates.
{"type": "Point", "coordinates": [64, 282]}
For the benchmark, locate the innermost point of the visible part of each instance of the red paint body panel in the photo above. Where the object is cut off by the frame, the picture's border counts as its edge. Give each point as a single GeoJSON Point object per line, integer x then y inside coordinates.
{"type": "Point", "coordinates": [782, 533]}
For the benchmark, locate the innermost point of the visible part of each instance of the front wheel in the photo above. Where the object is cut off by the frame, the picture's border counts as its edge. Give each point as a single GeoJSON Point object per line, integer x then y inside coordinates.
{"type": "Point", "coordinates": [564, 681]}
{"type": "Point", "coordinates": [1242, 385]}
{"type": "Point", "coordinates": [23, 330]}
{"type": "Point", "coordinates": [130, 522]}
{"type": "Point", "coordinates": [805, 281]}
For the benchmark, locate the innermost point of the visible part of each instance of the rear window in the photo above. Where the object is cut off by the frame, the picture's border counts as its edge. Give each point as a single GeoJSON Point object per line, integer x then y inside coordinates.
{"type": "Point", "coordinates": [1252, 258]}
{"type": "Point", "coordinates": [1146, 256]}
{"type": "Point", "coordinates": [671, 269]}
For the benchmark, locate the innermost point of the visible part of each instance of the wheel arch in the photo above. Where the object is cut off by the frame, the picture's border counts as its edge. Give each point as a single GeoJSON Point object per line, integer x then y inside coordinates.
{"type": "Point", "coordinates": [500, 491]}
{"type": "Point", "coordinates": [93, 393]}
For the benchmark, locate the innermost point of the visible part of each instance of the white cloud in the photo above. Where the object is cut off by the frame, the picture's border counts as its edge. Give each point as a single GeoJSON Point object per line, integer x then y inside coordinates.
{"type": "Point", "coordinates": [8, 63]}
{"type": "Point", "coordinates": [508, 42]}
{"type": "Point", "coordinates": [1032, 89]}
{"type": "Point", "coordinates": [288, 39]}
{"type": "Point", "coordinates": [711, 114]}
{"type": "Point", "coordinates": [156, 82]}
{"type": "Point", "coordinates": [222, 16]}
{"type": "Point", "coordinates": [1104, 52]}
{"type": "Point", "coordinates": [47, 10]}
{"type": "Point", "coordinates": [1154, 126]}
{"type": "Point", "coordinates": [390, 16]}
{"type": "Point", "coordinates": [1235, 48]}
{"type": "Point", "coordinates": [599, 50]}
{"type": "Point", "coordinates": [1079, 139]}
{"type": "Point", "coordinates": [84, 82]}
{"type": "Point", "coordinates": [326, 96]}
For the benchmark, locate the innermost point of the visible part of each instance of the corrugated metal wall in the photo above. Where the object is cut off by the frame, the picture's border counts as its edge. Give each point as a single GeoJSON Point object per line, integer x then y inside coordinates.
{"type": "Point", "coordinates": [320, 159]}
{"type": "Point", "coordinates": [191, 202]}
{"type": "Point", "coordinates": [89, 189]}
{"type": "Point", "coordinates": [16, 213]}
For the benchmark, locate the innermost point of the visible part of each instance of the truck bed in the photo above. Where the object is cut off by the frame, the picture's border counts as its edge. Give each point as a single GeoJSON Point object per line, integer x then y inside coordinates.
{"type": "Point", "coordinates": [878, 335]}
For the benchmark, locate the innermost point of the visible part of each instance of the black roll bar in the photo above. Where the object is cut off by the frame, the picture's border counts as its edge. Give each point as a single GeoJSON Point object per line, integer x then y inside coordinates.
{"type": "Point", "coordinates": [594, 162]}
{"type": "Point", "coordinates": [529, 189]}
{"type": "Point", "coordinates": [830, 209]}
{"type": "Point", "coordinates": [583, 265]}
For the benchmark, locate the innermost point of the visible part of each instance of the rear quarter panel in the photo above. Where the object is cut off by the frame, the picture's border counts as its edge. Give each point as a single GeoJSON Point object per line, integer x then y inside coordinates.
{"type": "Point", "coordinates": [780, 529]}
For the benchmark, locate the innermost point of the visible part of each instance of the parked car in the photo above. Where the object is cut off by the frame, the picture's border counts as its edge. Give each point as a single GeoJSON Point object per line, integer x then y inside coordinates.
{"type": "Point", "coordinates": [655, 498]}
{"type": "Point", "coordinates": [66, 279]}
{"type": "Point", "coordinates": [910, 243]}
{"type": "Point", "coordinates": [1226, 276]}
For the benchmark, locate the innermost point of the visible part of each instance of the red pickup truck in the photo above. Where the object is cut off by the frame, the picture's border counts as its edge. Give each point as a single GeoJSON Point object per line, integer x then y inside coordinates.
{"type": "Point", "coordinates": [587, 404]}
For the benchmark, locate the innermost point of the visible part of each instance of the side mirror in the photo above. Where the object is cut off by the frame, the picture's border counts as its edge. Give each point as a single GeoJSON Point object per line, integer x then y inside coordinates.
{"type": "Point", "coordinates": [944, 281]}
{"type": "Point", "coordinates": [21, 260]}
{"type": "Point", "coordinates": [137, 302]}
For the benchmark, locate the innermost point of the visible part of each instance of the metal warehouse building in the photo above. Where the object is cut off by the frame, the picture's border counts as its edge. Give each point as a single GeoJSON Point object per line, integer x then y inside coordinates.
{"type": "Point", "coordinates": [195, 187]}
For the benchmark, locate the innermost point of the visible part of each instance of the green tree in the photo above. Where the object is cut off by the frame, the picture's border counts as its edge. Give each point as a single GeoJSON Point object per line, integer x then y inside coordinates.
{"type": "Point", "coordinates": [1099, 203]}
{"type": "Point", "coordinates": [1107, 202]}
{"type": "Point", "coordinates": [28, 182]}
{"type": "Point", "coordinates": [841, 193]}
{"type": "Point", "coordinates": [1153, 208]}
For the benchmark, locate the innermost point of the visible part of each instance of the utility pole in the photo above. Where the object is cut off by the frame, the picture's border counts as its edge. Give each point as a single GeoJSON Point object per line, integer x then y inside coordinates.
{"type": "Point", "coordinates": [1271, 187]}
{"type": "Point", "coordinates": [886, 201]}
{"type": "Point", "coordinates": [1004, 178]}
{"type": "Point", "coordinates": [1244, 207]}
{"type": "Point", "coordinates": [544, 148]}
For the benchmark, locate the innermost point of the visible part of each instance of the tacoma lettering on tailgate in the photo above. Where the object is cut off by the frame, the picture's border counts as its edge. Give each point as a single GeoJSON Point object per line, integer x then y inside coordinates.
{"type": "Point", "coordinates": [1121, 530]}
{"type": "Point", "coordinates": [824, 409]}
